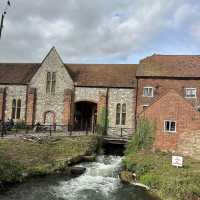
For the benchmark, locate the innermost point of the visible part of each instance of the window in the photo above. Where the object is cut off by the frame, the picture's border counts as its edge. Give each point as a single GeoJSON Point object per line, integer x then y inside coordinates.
{"type": "Point", "coordinates": [170, 126]}
{"type": "Point", "coordinates": [121, 114]}
{"type": "Point", "coordinates": [51, 83]}
{"type": "Point", "coordinates": [16, 109]}
{"type": "Point", "coordinates": [118, 113]}
{"type": "Point", "coordinates": [148, 92]}
{"type": "Point", "coordinates": [48, 87]}
{"type": "Point", "coordinates": [190, 92]}
{"type": "Point", "coordinates": [13, 108]}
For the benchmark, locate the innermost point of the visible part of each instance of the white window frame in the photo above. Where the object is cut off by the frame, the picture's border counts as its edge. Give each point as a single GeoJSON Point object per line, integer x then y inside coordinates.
{"type": "Point", "coordinates": [190, 96]}
{"type": "Point", "coordinates": [169, 131]}
{"type": "Point", "coordinates": [152, 94]}
{"type": "Point", "coordinates": [145, 106]}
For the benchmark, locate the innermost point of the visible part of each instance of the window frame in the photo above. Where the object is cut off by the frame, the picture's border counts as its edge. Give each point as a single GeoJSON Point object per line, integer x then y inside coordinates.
{"type": "Point", "coordinates": [51, 83]}
{"type": "Point", "coordinates": [148, 87]}
{"type": "Point", "coordinates": [118, 114]}
{"type": "Point", "coordinates": [121, 114]}
{"type": "Point", "coordinates": [145, 106]}
{"type": "Point", "coordinates": [190, 97]}
{"type": "Point", "coordinates": [169, 131]}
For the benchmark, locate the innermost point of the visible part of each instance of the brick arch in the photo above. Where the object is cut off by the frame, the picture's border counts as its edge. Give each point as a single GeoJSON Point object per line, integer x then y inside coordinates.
{"type": "Point", "coordinates": [53, 116]}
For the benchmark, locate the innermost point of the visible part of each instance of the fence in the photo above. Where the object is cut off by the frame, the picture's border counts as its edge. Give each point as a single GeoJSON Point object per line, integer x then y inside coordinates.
{"type": "Point", "coordinates": [65, 130]}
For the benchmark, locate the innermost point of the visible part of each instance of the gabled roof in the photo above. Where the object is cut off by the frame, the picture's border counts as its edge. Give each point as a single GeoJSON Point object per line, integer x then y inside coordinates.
{"type": "Point", "coordinates": [102, 75]}
{"type": "Point", "coordinates": [183, 66]}
{"type": "Point", "coordinates": [17, 73]}
{"type": "Point", "coordinates": [172, 94]}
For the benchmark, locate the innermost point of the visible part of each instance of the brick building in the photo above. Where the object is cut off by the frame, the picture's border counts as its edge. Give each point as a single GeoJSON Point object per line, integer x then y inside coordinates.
{"type": "Point", "coordinates": [165, 89]}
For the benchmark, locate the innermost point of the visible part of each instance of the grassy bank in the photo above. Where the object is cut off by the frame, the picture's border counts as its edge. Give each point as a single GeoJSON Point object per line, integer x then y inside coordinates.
{"type": "Point", "coordinates": [170, 183]}
{"type": "Point", "coordinates": [21, 158]}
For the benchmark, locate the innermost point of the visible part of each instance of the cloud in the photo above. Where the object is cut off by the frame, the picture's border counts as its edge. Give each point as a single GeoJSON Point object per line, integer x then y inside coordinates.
{"type": "Point", "coordinates": [95, 30]}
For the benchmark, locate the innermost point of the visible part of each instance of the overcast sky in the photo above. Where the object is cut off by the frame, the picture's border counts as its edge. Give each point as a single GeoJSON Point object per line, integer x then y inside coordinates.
{"type": "Point", "coordinates": [99, 31]}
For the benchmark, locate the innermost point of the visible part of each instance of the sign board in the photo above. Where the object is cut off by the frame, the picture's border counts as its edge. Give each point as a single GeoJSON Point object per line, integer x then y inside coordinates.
{"type": "Point", "coordinates": [177, 161]}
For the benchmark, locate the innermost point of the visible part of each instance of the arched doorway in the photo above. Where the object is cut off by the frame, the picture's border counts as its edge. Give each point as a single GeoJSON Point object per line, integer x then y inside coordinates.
{"type": "Point", "coordinates": [85, 116]}
{"type": "Point", "coordinates": [49, 118]}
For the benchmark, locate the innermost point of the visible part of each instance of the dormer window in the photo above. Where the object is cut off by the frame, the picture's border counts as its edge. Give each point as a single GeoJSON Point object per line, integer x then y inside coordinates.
{"type": "Point", "coordinates": [51, 83]}
{"type": "Point", "coordinates": [190, 92]}
{"type": "Point", "coordinates": [148, 92]}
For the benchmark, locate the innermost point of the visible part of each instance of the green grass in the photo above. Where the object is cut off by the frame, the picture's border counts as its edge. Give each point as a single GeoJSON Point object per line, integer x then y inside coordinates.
{"type": "Point", "coordinates": [170, 183]}
{"type": "Point", "coordinates": [18, 156]}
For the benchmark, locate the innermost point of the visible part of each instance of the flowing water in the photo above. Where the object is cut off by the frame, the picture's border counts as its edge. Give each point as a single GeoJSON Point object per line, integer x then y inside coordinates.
{"type": "Point", "coordinates": [99, 182]}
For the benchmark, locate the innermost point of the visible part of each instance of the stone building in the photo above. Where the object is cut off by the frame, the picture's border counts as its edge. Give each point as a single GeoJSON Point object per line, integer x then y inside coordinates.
{"type": "Point", "coordinates": [53, 92]}
{"type": "Point", "coordinates": [164, 89]}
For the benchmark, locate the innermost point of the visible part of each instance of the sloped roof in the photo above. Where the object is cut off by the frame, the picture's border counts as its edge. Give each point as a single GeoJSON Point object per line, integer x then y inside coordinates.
{"type": "Point", "coordinates": [183, 66]}
{"type": "Point", "coordinates": [98, 75]}
{"type": "Point", "coordinates": [95, 75]}
{"type": "Point", "coordinates": [17, 73]}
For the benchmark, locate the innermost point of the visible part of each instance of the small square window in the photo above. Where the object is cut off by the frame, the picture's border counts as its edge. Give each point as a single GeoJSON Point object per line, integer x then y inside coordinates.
{"type": "Point", "coordinates": [190, 92]}
{"type": "Point", "coordinates": [148, 92]}
{"type": "Point", "coordinates": [170, 126]}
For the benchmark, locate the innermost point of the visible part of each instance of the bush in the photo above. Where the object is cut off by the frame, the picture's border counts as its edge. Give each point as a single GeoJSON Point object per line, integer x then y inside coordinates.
{"type": "Point", "coordinates": [143, 138]}
{"type": "Point", "coordinates": [10, 171]}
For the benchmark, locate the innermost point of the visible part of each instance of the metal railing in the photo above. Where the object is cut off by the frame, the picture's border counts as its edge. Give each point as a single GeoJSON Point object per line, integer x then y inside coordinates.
{"type": "Point", "coordinates": [65, 130]}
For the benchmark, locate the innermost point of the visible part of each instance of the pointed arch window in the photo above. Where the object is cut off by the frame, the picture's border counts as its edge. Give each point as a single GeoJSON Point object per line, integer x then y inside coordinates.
{"type": "Point", "coordinates": [51, 83]}
{"type": "Point", "coordinates": [13, 109]}
{"type": "Point", "coordinates": [118, 111]}
{"type": "Point", "coordinates": [121, 114]}
{"type": "Point", "coordinates": [16, 109]}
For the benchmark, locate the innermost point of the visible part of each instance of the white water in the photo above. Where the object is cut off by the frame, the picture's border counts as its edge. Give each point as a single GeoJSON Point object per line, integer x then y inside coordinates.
{"type": "Point", "coordinates": [99, 182]}
{"type": "Point", "coordinates": [101, 179]}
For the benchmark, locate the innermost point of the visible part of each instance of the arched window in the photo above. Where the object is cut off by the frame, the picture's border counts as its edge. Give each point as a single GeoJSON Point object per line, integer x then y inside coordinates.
{"type": "Point", "coordinates": [118, 111]}
{"type": "Point", "coordinates": [18, 108]}
{"type": "Point", "coordinates": [51, 83]}
{"type": "Point", "coordinates": [13, 108]}
{"type": "Point", "coordinates": [123, 114]}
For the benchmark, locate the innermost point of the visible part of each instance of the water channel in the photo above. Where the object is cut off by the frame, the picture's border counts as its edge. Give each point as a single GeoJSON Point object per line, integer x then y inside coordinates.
{"type": "Point", "coordinates": [99, 182]}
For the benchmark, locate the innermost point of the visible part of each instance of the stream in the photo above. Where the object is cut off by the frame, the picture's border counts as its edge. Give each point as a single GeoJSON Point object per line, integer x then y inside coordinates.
{"type": "Point", "coordinates": [99, 182]}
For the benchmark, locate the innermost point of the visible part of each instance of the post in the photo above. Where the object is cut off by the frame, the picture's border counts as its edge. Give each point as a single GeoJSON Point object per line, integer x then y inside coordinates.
{"type": "Point", "coordinates": [50, 130]}
{"type": "Point", "coordinates": [121, 131]}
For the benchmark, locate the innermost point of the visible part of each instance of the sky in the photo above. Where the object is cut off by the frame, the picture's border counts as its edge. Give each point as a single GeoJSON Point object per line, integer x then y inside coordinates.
{"type": "Point", "coordinates": [99, 31]}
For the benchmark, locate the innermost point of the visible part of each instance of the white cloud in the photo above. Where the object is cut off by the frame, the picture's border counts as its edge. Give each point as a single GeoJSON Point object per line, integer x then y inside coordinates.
{"type": "Point", "coordinates": [93, 29]}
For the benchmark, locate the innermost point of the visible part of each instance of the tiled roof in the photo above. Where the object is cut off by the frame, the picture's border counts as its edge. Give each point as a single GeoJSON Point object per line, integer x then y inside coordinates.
{"type": "Point", "coordinates": [94, 75]}
{"type": "Point", "coordinates": [183, 66]}
{"type": "Point", "coordinates": [112, 75]}
{"type": "Point", "coordinates": [15, 73]}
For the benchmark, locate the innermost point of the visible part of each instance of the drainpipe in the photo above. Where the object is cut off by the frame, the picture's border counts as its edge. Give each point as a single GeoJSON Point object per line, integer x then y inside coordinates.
{"type": "Point", "coordinates": [106, 119]}
{"type": "Point", "coordinates": [136, 101]}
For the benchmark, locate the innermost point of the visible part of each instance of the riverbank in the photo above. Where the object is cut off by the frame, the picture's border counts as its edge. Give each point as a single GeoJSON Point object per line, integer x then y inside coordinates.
{"type": "Point", "coordinates": [168, 182]}
{"type": "Point", "coordinates": [23, 158]}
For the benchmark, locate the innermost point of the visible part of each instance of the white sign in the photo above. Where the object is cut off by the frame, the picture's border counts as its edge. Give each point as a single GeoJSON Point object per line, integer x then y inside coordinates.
{"type": "Point", "coordinates": [177, 161]}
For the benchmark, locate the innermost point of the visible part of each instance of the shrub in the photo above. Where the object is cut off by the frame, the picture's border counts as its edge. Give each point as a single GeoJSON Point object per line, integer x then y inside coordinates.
{"type": "Point", "coordinates": [143, 138]}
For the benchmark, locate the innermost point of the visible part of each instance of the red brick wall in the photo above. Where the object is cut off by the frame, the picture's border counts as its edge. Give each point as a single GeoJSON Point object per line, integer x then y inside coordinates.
{"type": "Point", "coordinates": [171, 107]}
{"type": "Point", "coordinates": [30, 109]}
{"type": "Point", "coordinates": [161, 86]}
{"type": "Point", "coordinates": [2, 102]}
{"type": "Point", "coordinates": [68, 111]}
